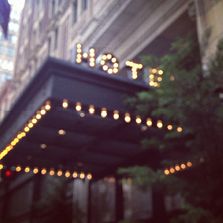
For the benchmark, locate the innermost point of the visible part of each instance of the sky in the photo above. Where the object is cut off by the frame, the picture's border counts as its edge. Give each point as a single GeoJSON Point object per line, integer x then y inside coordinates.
{"type": "Point", "coordinates": [17, 4]}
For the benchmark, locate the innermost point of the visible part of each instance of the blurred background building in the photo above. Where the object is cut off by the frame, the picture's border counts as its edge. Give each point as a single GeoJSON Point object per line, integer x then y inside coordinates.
{"type": "Point", "coordinates": [127, 28]}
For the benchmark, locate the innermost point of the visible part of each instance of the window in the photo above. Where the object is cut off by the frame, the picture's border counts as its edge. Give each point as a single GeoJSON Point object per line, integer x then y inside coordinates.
{"type": "Point", "coordinates": [56, 39]}
{"type": "Point", "coordinates": [74, 11]}
{"type": "Point", "coordinates": [49, 45]}
{"type": "Point", "coordinates": [84, 4]}
{"type": "Point", "coordinates": [53, 7]}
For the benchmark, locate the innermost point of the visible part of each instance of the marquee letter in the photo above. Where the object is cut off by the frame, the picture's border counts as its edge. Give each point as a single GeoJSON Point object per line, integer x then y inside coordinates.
{"type": "Point", "coordinates": [109, 63]}
{"type": "Point", "coordinates": [135, 67]}
{"type": "Point", "coordinates": [84, 56]}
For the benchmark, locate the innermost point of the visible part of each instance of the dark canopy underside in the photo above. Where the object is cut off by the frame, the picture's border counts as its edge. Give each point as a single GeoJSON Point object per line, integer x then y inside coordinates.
{"type": "Point", "coordinates": [91, 143]}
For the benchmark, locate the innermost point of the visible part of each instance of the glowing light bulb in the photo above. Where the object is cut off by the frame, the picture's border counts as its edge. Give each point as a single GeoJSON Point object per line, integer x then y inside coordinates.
{"type": "Point", "coordinates": [59, 173]}
{"type": "Point", "coordinates": [89, 176]}
{"type": "Point", "coordinates": [138, 120]}
{"type": "Point", "coordinates": [82, 175]}
{"type": "Point", "coordinates": [26, 129]}
{"type": "Point", "coordinates": [65, 104]}
{"type": "Point", "coordinates": [149, 122]}
{"type": "Point", "coordinates": [159, 124]}
{"type": "Point", "coordinates": [75, 175]}
{"type": "Point", "coordinates": [179, 129]}
{"type": "Point", "coordinates": [78, 106]}
{"type": "Point", "coordinates": [116, 114]}
{"type": "Point", "coordinates": [62, 132]}
{"type": "Point", "coordinates": [177, 168]}
{"type": "Point", "coordinates": [42, 111]}
{"type": "Point", "coordinates": [183, 166]}
{"type": "Point", "coordinates": [166, 172]}
{"type": "Point", "coordinates": [30, 125]}
{"type": "Point", "coordinates": [43, 171]}
{"type": "Point", "coordinates": [172, 170]}
{"type": "Point", "coordinates": [189, 164]}
{"type": "Point", "coordinates": [67, 174]}
{"type": "Point", "coordinates": [127, 118]}
{"type": "Point", "coordinates": [104, 113]}
{"type": "Point", "coordinates": [1, 166]}
{"type": "Point", "coordinates": [169, 127]}
{"type": "Point", "coordinates": [48, 106]}
{"type": "Point", "coordinates": [18, 168]}
{"type": "Point", "coordinates": [38, 116]}
{"type": "Point", "coordinates": [91, 109]}
{"type": "Point", "coordinates": [52, 172]}
{"type": "Point", "coordinates": [35, 170]}
{"type": "Point", "coordinates": [27, 169]}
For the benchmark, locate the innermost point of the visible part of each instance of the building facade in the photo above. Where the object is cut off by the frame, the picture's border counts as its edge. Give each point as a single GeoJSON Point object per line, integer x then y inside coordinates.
{"type": "Point", "coordinates": [7, 58]}
{"type": "Point", "coordinates": [128, 29]}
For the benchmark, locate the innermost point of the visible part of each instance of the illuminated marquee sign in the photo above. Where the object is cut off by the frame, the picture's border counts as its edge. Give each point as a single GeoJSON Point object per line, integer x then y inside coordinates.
{"type": "Point", "coordinates": [110, 64]}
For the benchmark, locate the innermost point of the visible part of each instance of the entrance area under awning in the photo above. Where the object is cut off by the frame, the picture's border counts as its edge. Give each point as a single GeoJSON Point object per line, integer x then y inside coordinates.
{"type": "Point", "coordinates": [72, 118]}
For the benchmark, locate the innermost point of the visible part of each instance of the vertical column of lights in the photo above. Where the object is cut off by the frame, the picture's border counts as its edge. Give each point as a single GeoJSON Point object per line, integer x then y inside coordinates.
{"type": "Point", "coordinates": [30, 124]}
{"type": "Point", "coordinates": [177, 168]}
{"type": "Point", "coordinates": [127, 117]}
{"type": "Point", "coordinates": [135, 68]}
{"type": "Point", "coordinates": [155, 77]}
{"type": "Point", "coordinates": [89, 57]}
{"type": "Point", "coordinates": [109, 63]}
{"type": "Point", "coordinates": [52, 172]}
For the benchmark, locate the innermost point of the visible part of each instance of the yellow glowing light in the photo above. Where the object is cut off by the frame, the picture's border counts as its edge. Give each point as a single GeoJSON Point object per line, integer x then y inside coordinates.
{"type": "Point", "coordinates": [52, 172]}
{"type": "Point", "coordinates": [172, 170]}
{"type": "Point", "coordinates": [82, 175]}
{"type": "Point", "coordinates": [160, 72]}
{"type": "Point", "coordinates": [59, 173]}
{"type": "Point", "coordinates": [85, 55]}
{"type": "Point", "coordinates": [154, 70]}
{"type": "Point", "coordinates": [138, 120]}
{"type": "Point", "coordinates": [110, 71]}
{"type": "Point", "coordinates": [159, 124]}
{"type": "Point", "coordinates": [127, 118]}
{"type": "Point", "coordinates": [104, 112]}
{"type": "Point", "coordinates": [114, 60]}
{"type": "Point", "coordinates": [1, 166]}
{"type": "Point", "coordinates": [183, 166]}
{"type": "Point", "coordinates": [67, 174]}
{"type": "Point", "coordinates": [78, 106]}
{"type": "Point", "coordinates": [75, 175]}
{"type": "Point", "coordinates": [78, 45]}
{"type": "Point", "coordinates": [26, 129]}
{"type": "Point", "coordinates": [48, 107]}
{"type": "Point", "coordinates": [35, 170]}
{"type": "Point", "coordinates": [179, 129]}
{"type": "Point", "coordinates": [65, 104]}
{"type": "Point", "coordinates": [89, 176]}
{"type": "Point", "coordinates": [149, 122]}
{"type": "Point", "coordinates": [189, 164]}
{"type": "Point", "coordinates": [27, 169]}
{"type": "Point", "coordinates": [159, 79]}
{"type": "Point", "coordinates": [135, 67]}
{"type": "Point", "coordinates": [34, 121]}
{"type": "Point", "coordinates": [62, 132]}
{"type": "Point", "coordinates": [30, 125]}
{"type": "Point", "coordinates": [166, 172]}
{"type": "Point", "coordinates": [105, 67]}
{"type": "Point", "coordinates": [177, 168]}
{"type": "Point", "coordinates": [18, 168]}
{"type": "Point", "coordinates": [169, 127]}
{"type": "Point", "coordinates": [116, 115]}
{"type": "Point", "coordinates": [43, 171]}
{"type": "Point", "coordinates": [38, 116]}
{"type": "Point", "coordinates": [91, 109]}
{"type": "Point", "coordinates": [42, 111]}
